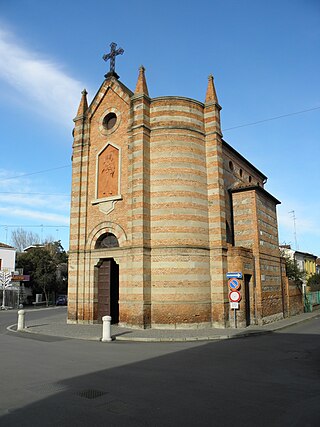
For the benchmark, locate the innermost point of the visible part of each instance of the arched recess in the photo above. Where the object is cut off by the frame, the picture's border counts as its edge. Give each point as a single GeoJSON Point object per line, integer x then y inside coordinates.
{"type": "Point", "coordinates": [103, 228]}
{"type": "Point", "coordinates": [107, 240]}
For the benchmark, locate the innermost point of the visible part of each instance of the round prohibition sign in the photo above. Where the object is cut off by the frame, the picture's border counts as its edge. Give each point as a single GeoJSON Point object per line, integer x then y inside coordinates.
{"type": "Point", "coordinates": [234, 284]}
{"type": "Point", "coordinates": [234, 296]}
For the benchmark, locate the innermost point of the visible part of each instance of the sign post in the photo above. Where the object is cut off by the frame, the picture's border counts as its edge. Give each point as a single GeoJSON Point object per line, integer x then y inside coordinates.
{"type": "Point", "coordinates": [234, 294]}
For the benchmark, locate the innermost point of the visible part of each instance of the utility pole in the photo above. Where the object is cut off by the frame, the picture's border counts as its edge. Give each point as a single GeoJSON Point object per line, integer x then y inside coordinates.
{"type": "Point", "coordinates": [293, 216]}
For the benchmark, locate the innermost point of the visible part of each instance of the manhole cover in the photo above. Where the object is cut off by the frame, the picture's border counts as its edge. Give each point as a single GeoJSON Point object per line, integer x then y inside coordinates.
{"type": "Point", "coordinates": [91, 394]}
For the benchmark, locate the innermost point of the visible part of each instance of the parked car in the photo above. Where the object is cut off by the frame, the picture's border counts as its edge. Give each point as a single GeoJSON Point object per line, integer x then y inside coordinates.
{"type": "Point", "coordinates": [62, 300]}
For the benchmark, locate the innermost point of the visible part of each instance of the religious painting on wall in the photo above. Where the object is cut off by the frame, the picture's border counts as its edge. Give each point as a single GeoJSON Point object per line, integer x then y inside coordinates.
{"type": "Point", "coordinates": [108, 172]}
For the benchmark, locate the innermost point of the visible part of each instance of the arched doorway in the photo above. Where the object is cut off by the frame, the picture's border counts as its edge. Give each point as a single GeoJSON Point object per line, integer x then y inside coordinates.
{"type": "Point", "coordinates": [108, 280]}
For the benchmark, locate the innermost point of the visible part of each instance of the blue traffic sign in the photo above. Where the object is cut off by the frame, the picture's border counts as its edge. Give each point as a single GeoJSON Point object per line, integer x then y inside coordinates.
{"type": "Point", "coordinates": [234, 284]}
{"type": "Point", "coordinates": [237, 275]}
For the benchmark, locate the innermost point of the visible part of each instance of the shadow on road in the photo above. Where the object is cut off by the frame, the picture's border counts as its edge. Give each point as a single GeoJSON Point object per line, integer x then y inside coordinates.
{"type": "Point", "coordinates": [268, 380]}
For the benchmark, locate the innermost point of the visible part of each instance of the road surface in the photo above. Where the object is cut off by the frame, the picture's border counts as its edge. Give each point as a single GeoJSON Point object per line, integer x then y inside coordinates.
{"type": "Point", "coordinates": [269, 380]}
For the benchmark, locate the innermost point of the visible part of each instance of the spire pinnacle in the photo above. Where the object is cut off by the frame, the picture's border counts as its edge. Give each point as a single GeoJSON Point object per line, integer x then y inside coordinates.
{"type": "Point", "coordinates": [83, 106]}
{"type": "Point", "coordinates": [141, 88]}
{"type": "Point", "coordinates": [211, 95]}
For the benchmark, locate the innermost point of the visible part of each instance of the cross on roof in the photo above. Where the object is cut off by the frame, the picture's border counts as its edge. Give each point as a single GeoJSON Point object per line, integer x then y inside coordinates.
{"type": "Point", "coordinates": [112, 56]}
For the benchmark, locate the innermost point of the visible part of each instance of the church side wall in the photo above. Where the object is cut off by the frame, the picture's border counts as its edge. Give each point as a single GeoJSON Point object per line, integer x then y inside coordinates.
{"type": "Point", "coordinates": [236, 173]}
{"type": "Point", "coordinates": [255, 227]}
{"type": "Point", "coordinates": [270, 267]}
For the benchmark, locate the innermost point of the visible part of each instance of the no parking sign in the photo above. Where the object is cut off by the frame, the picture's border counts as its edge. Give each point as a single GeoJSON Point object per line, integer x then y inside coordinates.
{"type": "Point", "coordinates": [234, 284]}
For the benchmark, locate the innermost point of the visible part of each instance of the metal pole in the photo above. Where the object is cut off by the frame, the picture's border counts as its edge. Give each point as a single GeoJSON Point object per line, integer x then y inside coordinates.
{"type": "Point", "coordinates": [235, 318]}
{"type": "Point", "coordinates": [3, 297]}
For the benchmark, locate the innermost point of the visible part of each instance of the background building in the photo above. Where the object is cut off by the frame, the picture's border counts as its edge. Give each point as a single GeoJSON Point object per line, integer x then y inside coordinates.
{"type": "Point", "coordinates": [7, 257]}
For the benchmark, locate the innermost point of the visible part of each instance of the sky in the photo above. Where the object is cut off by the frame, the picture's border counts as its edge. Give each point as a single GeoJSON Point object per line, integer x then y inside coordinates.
{"type": "Point", "coordinates": [264, 56]}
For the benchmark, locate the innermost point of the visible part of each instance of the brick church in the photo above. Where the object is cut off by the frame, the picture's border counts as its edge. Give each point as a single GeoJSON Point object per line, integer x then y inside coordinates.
{"type": "Point", "coordinates": [162, 209]}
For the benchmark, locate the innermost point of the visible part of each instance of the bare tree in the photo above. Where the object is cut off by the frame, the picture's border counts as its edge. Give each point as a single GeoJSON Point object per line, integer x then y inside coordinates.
{"type": "Point", "coordinates": [21, 239]}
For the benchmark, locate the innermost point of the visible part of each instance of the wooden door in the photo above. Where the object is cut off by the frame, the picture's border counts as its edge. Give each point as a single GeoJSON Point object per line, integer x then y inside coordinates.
{"type": "Point", "coordinates": [108, 290]}
{"type": "Point", "coordinates": [104, 288]}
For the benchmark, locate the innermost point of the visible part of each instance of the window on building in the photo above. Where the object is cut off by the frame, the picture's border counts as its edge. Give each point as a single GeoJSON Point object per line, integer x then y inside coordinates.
{"type": "Point", "coordinates": [229, 233]}
{"type": "Point", "coordinates": [109, 121]}
{"type": "Point", "coordinates": [107, 240]}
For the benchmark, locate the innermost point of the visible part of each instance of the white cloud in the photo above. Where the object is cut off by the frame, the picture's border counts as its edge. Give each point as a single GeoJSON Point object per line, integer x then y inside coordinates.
{"type": "Point", "coordinates": [52, 92]}
{"type": "Point", "coordinates": [18, 200]}
{"type": "Point", "coordinates": [15, 212]}
{"type": "Point", "coordinates": [54, 201]}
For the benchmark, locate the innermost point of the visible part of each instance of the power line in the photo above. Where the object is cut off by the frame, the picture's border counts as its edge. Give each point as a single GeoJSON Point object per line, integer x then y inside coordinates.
{"type": "Point", "coordinates": [224, 130]}
{"type": "Point", "coordinates": [37, 194]}
{"type": "Point", "coordinates": [272, 118]}
{"type": "Point", "coordinates": [34, 226]}
{"type": "Point", "coordinates": [34, 173]}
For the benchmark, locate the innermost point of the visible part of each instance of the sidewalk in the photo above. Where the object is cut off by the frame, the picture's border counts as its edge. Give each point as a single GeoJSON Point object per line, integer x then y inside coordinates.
{"type": "Point", "coordinates": [57, 326]}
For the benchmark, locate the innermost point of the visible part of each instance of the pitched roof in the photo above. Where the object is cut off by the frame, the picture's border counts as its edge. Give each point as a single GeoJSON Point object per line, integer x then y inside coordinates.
{"type": "Point", "coordinates": [256, 188]}
{"type": "Point", "coordinates": [3, 245]}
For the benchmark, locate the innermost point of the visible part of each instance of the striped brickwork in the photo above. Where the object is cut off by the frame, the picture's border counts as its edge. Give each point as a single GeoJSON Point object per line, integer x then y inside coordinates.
{"type": "Point", "coordinates": [135, 309]}
{"type": "Point", "coordinates": [179, 218]}
{"type": "Point", "coordinates": [238, 171]}
{"type": "Point", "coordinates": [88, 214]}
{"type": "Point", "coordinates": [255, 227]}
{"type": "Point", "coordinates": [175, 209]}
{"type": "Point", "coordinates": [216, 201]}
{"type": "Point", "coordinates": [78, 215]}
{"type": "Point", "coordinates": [241, 259]}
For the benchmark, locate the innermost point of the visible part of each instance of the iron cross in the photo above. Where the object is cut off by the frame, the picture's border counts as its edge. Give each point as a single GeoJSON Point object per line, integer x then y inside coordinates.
{"type": "Point", "coordinates": [112, 56]}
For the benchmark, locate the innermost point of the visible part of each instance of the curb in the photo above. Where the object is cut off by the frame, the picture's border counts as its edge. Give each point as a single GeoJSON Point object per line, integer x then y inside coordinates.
{"type": "Point", "coordinates": [126, 338]}
{"type": "Point", "coordinates": [29, 331]}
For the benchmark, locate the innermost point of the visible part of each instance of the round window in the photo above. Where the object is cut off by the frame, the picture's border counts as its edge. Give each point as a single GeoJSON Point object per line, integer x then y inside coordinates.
{"type": "Point", "coordinates": [109, 121]}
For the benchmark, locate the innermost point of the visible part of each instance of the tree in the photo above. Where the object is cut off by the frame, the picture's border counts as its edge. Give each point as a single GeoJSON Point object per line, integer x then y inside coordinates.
{"type": "Point", "coordinates": [314, 282]}
{"type": "Point", "coordinates": [47, 267]}
{"type": "Point", "coordinates": [292, 270]}
{"type": "Point", "coordinates": [21, 239]}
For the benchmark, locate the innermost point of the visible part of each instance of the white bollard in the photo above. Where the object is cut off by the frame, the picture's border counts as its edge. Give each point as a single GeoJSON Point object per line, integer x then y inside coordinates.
{"type": "Point", "coordinates": [106, 329]}
{"type": "Point", "coordinates": [21, 320]}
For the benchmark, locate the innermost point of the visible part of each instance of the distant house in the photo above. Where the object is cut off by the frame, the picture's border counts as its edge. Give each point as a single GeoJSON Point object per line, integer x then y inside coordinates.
{"type": "Point", "coordinates": [36, 246]}
{"type": "Point", "coordinates": [7, 257]}
{"type": "Point", "coordinates": [306, 262]}
{"type": "Point", "coordinates": [318, 266]}
{"type": "Point", "coordinates": [8, 297]}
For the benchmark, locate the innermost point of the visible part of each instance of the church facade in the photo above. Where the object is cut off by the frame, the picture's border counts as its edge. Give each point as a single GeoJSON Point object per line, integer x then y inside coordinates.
{"type": "Point", "coordinates": [162, 209]}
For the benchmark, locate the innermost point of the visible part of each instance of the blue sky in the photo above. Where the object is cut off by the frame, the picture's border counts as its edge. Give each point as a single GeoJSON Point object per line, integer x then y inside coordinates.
{"type": "Point", "coordinates": [265, 59]}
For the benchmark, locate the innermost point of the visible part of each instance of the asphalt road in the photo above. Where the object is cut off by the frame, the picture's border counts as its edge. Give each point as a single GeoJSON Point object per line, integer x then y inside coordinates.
{"type": "Point", "coordinates": [269, 380]}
